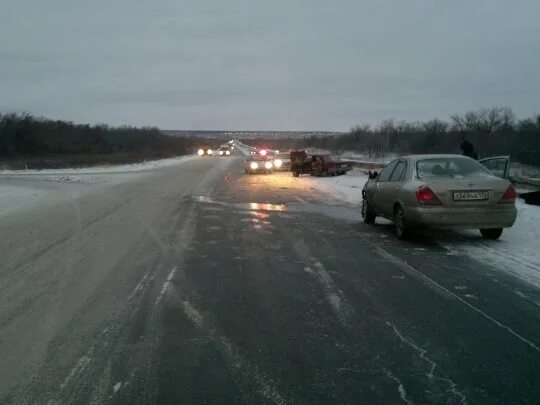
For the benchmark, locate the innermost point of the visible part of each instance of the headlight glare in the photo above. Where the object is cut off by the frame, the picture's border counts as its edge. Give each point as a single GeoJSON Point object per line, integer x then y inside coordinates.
{"type": "Point", "coordinates": [268, 165]}
{"type": "Point", "coordinates": [200, 152]}
{"type": "Point", "coordinates": [209, 151]}
{"type": "Point", "coordinates": [254, 165]}
{"type": "Point", "coordinates": [278, 163]}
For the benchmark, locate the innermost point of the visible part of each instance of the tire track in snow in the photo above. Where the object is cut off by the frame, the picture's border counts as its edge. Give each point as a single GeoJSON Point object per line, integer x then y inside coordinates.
{"type": "Point", "coordinates": [88, 362]}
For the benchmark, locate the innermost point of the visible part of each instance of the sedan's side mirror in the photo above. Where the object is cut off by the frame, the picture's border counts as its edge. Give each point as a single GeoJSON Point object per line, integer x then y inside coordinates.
{"type": "Point", "coordinates": [373, 175]}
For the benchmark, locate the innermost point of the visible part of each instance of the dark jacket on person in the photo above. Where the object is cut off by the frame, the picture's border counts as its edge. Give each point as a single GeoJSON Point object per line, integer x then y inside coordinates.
{"type": "Point", "coordinates": [468, 149]}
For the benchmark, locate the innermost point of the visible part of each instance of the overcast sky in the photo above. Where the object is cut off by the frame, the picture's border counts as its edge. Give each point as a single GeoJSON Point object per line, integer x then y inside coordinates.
{"type": "Point", "coordinates": [279, 64]}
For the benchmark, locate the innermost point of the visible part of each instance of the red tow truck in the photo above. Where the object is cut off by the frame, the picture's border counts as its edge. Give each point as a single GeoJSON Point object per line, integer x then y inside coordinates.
{"type": "Point", "coordinates": [317, 164]}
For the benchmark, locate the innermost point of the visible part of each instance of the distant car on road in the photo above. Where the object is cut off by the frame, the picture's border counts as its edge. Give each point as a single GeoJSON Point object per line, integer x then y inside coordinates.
{"type": "Point", "coordinates": [224, 151]}
{"type": "Point", "coordinates": [442, 191]}
{"type": "Point", "coordinates": [258, 164]}
{"type": "Point", "coordinates": [205, 151]}
{"type": "Point", "coordinates": [281, 162]}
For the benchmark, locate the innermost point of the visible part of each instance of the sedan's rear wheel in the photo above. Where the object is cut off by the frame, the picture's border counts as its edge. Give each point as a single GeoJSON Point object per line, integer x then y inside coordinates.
{"type": "Point", "coordinates": [494, 233]}
{"type": "Point", "coordinates": [402, 230]}
{"type": "Point", "coordinates": [367, 212]}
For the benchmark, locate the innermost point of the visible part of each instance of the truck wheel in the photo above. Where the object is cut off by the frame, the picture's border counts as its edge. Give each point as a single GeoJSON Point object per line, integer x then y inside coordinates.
{"type": "Point", "coordinates": [367, 213]}
{"type": "Point", "coordinates": [492, 234]}
{"type": "Point", "coordinates": [401, 228]}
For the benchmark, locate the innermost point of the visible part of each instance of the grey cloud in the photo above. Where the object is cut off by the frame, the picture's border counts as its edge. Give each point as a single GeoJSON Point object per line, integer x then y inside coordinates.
{"type": "Point", "coordinates": [280, 64]}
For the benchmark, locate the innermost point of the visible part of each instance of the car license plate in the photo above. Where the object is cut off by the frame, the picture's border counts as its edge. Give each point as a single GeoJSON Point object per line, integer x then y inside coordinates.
{"type": "Point", "coordinates": [471, 195]}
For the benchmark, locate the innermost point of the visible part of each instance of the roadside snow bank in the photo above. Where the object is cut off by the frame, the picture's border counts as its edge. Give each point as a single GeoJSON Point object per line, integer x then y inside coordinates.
{"type": "Point", "coordinates": [367, 158]}
{"type": "Point", "coordinates": [347, 187]}
{"type": "Point", "coordinates": [134, 167]}
{"type": "Point", "coordinates": [15, 197]}
{"type": "Point", "coordinates": [26, 188]}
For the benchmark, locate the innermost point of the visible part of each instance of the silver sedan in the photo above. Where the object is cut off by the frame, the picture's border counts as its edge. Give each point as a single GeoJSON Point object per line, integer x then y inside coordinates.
{"type": "Point", "coordinates": [442, 191]}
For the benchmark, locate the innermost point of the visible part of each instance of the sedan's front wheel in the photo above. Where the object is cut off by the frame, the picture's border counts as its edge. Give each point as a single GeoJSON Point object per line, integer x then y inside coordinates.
{"type": "Point", "coordinates": [402, 230]}
{"type": "Point", "coordinates": [493, 234]}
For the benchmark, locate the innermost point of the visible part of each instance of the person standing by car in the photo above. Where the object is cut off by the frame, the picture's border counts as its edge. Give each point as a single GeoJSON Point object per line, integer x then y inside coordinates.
{"type": "Point", "coordinates": [467, 149]}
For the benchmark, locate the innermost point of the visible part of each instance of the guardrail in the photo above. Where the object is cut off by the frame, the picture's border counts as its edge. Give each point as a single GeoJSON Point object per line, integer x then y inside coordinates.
{"type": "Point", "coordinates": [365, 164]}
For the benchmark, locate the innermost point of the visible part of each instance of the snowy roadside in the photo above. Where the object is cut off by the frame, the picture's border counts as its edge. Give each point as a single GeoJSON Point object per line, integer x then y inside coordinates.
{"type": "Point", "coordinates": [516, 253]}
{"type": "Point", "coordinates": [347, 188]}
{"type": "Point", "coordinates": [25, 188]}
{"type": "Point", "coordinates": [133, 167]}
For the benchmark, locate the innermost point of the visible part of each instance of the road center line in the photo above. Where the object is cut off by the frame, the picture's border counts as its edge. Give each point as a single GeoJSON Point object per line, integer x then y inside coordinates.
{"type": "Point", "coordinates": [166, 284]}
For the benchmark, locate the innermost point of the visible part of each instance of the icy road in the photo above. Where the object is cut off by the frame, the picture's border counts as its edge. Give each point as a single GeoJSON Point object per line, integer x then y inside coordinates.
{"type": "Point", "coordinates": [192, 282]}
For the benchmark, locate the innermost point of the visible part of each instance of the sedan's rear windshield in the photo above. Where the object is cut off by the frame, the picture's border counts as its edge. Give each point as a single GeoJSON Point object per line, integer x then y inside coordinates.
{"type": "Point", "coordinates": [451, 168]}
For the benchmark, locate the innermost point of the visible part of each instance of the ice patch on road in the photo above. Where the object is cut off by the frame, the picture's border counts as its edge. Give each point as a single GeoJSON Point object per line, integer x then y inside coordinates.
{"type": "Point", "coordinates": [80, 365]}
{"type": "Point", "coordinates": [422, 353]}
{"type": "Point", "coordinates": [192, 314]}
{"type": "Point", "coordinates": [401, 388]}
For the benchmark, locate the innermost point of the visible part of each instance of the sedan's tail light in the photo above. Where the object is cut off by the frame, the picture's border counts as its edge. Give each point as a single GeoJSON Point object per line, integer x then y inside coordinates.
{"type": "Point", "coordinates": [510, 195]}
{"type": "Point", "coordinates": [426, 196]}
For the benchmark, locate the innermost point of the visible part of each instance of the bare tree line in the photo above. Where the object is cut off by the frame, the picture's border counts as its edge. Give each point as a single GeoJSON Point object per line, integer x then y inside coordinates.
{"type": "Point", "coordinates": [492, 131]}
{"type": "Point", "coordinates": [39, 142]}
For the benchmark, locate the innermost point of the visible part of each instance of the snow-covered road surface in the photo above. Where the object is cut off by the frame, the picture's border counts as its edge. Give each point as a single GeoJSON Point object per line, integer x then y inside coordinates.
{"type": "Point", "coordinates": [198, 283]}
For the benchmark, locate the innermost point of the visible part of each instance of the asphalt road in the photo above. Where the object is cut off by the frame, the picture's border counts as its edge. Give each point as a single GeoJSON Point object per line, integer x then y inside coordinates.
{"type": "Point", "coordinates": [200, 284]}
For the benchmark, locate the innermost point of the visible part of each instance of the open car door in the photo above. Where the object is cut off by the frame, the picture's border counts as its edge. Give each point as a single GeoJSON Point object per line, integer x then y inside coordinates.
{"type": "Point", "coordinates": [499, 166]}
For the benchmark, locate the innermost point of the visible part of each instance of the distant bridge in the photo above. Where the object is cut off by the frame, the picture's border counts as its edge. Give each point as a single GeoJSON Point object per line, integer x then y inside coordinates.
{"type": "Point", "coordinates": [249, 134]}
